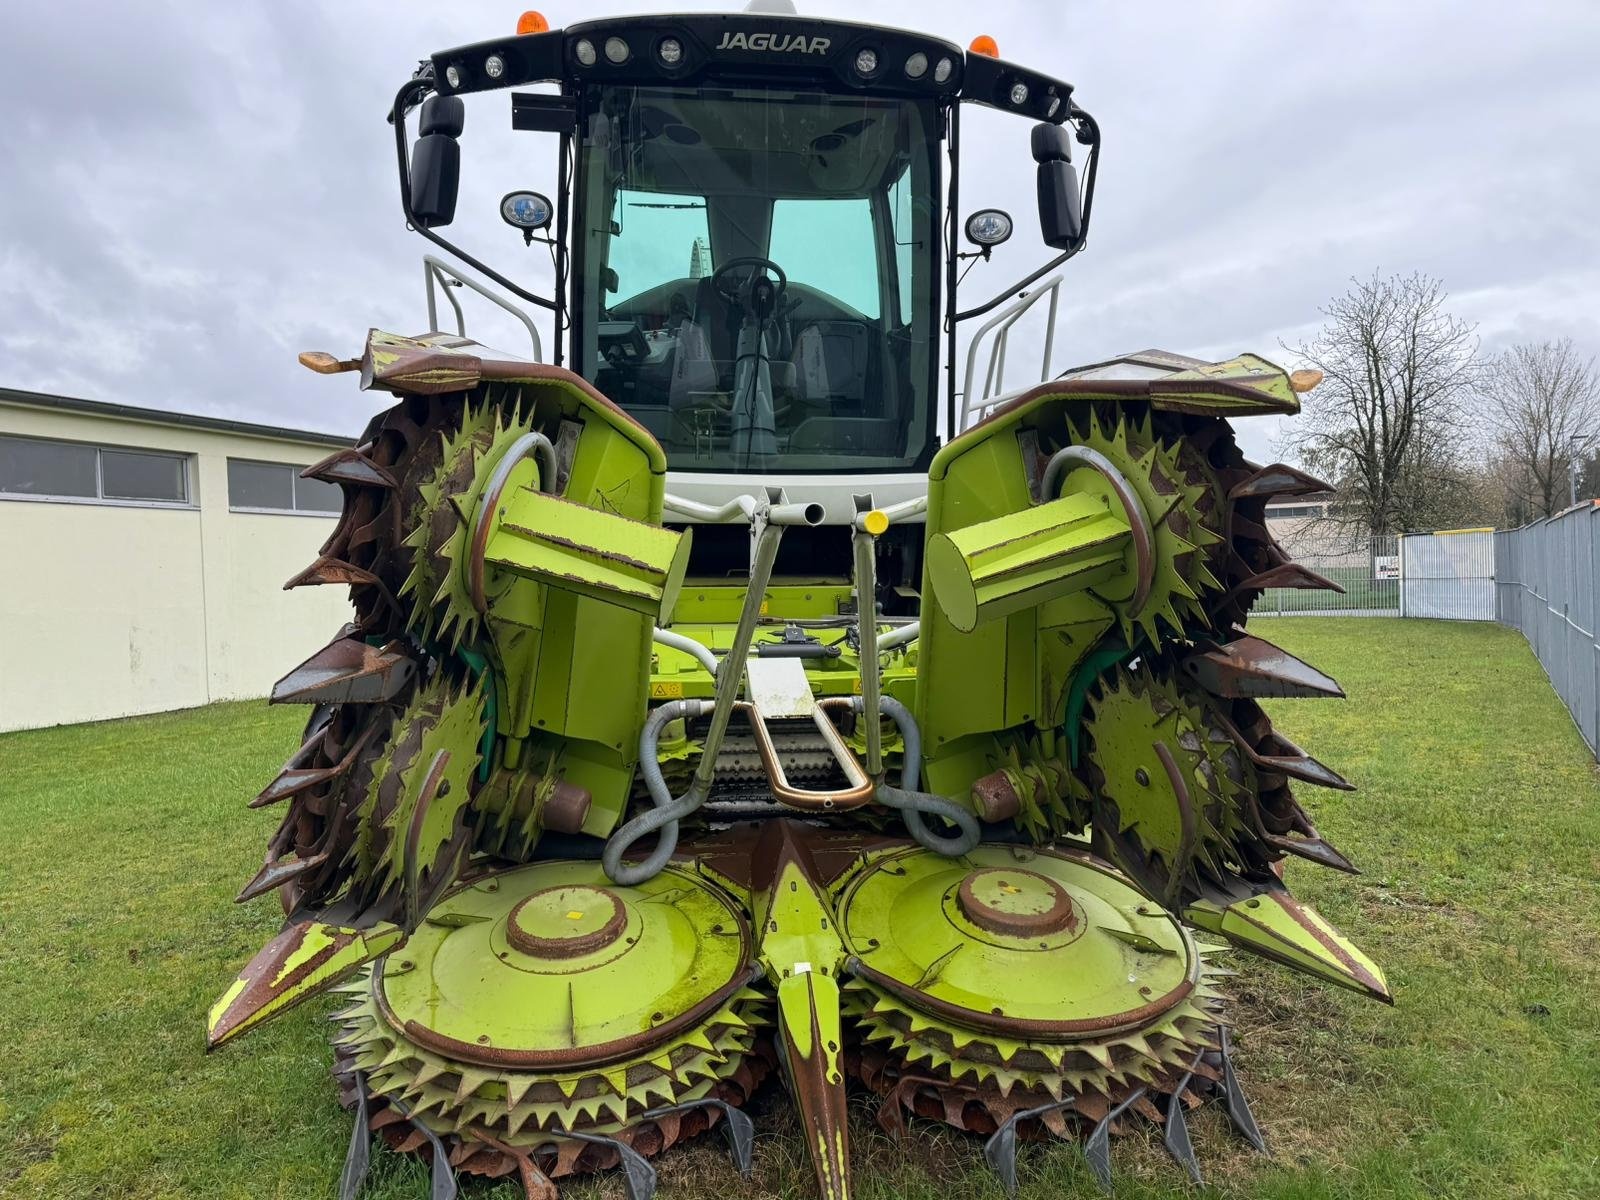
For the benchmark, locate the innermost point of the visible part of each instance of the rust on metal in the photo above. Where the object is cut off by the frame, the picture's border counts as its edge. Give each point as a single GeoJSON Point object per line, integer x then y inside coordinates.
{"type": "Point", "coordinates": [566, 808]}
{"type": "Point", "coordinates": [324, 363]}
{"type": "Point", "coordinates": [994, 797]}
{"type": "Point", "coordinates": [1189, 821]}
{"type": "Point", "coordinates": [348, 670]}
{"type": "Point", "coordinates": [351, 465]}
{"type": "Point", "coordinates": [573, 946]}
{"type": "Point", "coordinates": [1278, 479]}
{"type": "Point", "coordinates": [859, 789]}
{"type": "Point", "coordinates": [1250, 667]}
{"type": "Point", "coordinates": [1053, 917]}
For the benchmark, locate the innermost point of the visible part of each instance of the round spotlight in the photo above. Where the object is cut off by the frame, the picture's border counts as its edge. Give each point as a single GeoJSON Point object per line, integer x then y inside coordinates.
{"type": "Point", "coordinates": [584, 52]}
{"type": "Point", "coordinates": [452, 77]}
{"type": "Point", "coordinates": [942, 71]}
{"type": "Point", "coordinates": [1019, 92]}
{"type": "Point", "coordinates": [917, 65]}
{"type": "Point", "coordinates": [1055, 106]}
{"type": "Point", "coordinates": [617, 50]}
{"type": "Point", "coordinates": [525, 210]}
{"type": "Point", "coordinates": [866, 61]}
{"type": "Point", "coordinates": [988, 227]}
{"type": "Point", "coordinates": [494, 66]}
{"type": "Point", "coordinates": [670, 51]}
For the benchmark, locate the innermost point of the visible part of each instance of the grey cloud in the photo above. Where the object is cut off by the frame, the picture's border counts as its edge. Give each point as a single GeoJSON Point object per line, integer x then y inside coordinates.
{"type": "Point", "coordinates": [193, 193]}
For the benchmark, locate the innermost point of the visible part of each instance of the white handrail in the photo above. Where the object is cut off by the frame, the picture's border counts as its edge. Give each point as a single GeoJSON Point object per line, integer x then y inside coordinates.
{"type": "Point", "coordinates": [1001, 323]}
{"type": "Point", "coordinates": [436, 270]}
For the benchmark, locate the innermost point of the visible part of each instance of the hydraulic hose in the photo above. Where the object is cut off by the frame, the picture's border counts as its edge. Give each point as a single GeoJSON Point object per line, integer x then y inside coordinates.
{"type": "Point", "coordinates": [913, 805]}
{"type": "Point", "coordinates": [666, 814]}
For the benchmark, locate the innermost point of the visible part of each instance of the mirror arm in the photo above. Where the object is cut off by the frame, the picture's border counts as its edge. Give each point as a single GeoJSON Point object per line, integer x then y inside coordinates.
{"type": "Point", "coordinates": [410, 95]}
{"type": "Point", "coordinates": [1092, 129]}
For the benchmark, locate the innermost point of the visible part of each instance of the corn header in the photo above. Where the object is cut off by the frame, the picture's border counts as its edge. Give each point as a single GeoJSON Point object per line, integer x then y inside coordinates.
{"type": "Point", "coordinates": [750, 699]}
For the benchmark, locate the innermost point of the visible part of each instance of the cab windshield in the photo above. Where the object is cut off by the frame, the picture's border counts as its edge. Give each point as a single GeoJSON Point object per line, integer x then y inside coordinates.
{"type": "Point", "coordinates": [757, 274]}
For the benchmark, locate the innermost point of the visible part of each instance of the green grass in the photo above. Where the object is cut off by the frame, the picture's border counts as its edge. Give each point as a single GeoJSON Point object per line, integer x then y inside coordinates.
{"type": "Point", "coordinates": [121, 846]}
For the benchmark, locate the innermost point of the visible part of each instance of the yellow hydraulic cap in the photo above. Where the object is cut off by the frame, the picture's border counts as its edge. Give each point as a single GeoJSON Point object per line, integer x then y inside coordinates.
{"type": "Point", "coordinates": [875, 521]}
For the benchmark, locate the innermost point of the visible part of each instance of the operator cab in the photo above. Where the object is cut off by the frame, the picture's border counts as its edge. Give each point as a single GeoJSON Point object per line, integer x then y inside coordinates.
{"type": "Point", "coordinates": [756, 273]}
{"type": "Point", "coordinates": [753, 239]}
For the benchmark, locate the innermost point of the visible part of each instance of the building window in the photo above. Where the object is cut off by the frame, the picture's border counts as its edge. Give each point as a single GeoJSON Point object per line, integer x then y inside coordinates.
{"type": "Point", "coordinates": [278, 487]}
{"type": "Point", "coordinates": [1285, 511]}
{"type": "Point", "coordinates": [46, 470]}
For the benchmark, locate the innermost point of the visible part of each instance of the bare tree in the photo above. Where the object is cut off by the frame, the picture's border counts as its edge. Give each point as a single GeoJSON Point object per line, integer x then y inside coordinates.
{"type": "Point", "coordinates": [1387, 425]}
{"type": "Point", "coordinates": [1543, 400]}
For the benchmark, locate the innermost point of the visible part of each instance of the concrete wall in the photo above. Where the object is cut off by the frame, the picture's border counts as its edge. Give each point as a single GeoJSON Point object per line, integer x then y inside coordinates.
{"type": "Point", "coordinates": [108, 610]}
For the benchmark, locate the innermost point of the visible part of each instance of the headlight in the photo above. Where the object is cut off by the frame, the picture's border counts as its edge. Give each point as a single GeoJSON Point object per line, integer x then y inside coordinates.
{"type": "Point", "coordinates": [988, 227]}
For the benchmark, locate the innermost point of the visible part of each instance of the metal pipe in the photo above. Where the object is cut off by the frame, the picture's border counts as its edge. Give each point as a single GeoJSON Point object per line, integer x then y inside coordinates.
{"type": "Point", "coordinates": [900, 636]}
{"type": "Point", "coordinates": [534, 443]}
{"type": "Point", "coordinates": [731, 676]}
{"type": "Point", "coordinates": [906, 509]}
{"type": "Point", "coordinates": [864, 547]}
{"type": "Point", "coordinates": [778, 512]}
{"type": "Point", "coordinates": [701, 653]}
{"type": "Point", "coordinates": [665, 816]}
{"type": "Point", "coordinates": [1003, 320]}
{"type": "Point", "coordinates": [1138, 520]}
{"type": "Point", "coordinates": [436, 268]}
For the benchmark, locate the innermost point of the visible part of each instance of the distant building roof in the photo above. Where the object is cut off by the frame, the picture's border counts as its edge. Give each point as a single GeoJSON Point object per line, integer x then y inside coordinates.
{"type": "Point", "coordinates": [157, 416]}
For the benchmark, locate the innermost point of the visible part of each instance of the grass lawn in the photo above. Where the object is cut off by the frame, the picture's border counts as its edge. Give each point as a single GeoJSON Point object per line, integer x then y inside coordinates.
{"type": "Point", "coordinates": [1478, 823]}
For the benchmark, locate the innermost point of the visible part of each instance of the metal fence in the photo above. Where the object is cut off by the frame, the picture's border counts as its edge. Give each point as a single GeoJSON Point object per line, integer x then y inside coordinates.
{"type": "Point", "coordinates": [1546, 578]}
{"type": "Point", "coordinates": [1448, 576]}
{"type": "Point", "coordinates": [1368, 568]}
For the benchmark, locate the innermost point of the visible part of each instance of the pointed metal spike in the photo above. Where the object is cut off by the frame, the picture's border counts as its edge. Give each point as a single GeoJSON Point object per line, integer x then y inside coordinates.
{"type": "Point", "coordinates": [359, 1156]}
{"type": "Point", "coordinates": [1275, 925]}
{"type": "Point", "coordinates": [1097, 1150]}
{"type": "Point", "coordinates": [296, 778]}
{"type": "Point", "coordinates": [1251, 667]}
{"type": "Point", "coordinates": [1278, 479]}
{"type": "Point", "coordinates": [304, 960]}
{"type": "Point", "coordinates": [328, 569]}
{"type": "Point", "coordinates": [351, 466]}
{"type": "Point", "coordinates": [1278, 755]}
{"type": "Point", "coordinates": [638, 1176]}
{"type": "Point", "coordinates": [347, 670]}
{"type": "Point", "coordinates": [277, 873]}
{"type": "Point", "coordinates": [1286, 575]}
{"type": "Point", "coordinates": [1238, 1107]}
{"type": "Point", "coordinates": [1314, 849]}
{"type": "Point", "coordinates": [1175, 1131]}
{"type": "Point", "coordinates": [1000, 1152]}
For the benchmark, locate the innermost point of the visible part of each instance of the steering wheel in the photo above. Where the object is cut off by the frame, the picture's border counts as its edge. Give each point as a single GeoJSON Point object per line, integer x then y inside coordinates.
{"type": "Point", "coordinates": [730, 288]}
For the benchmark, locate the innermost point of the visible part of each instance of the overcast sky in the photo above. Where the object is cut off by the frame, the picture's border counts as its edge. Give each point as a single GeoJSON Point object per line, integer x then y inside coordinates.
{"type": "Point", "coordinates": [193, 193]}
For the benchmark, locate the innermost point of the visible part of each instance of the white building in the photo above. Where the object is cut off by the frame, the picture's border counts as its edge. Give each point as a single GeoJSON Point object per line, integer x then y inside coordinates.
{"type": "Point", "coordinates": [143, 556]}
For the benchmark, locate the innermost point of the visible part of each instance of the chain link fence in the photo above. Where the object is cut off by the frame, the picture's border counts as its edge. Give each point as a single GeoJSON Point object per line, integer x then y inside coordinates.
{"type": "Point", "coordinates": [1367, 568]}
{"type": "Point", "coordinates": [1546, 578]}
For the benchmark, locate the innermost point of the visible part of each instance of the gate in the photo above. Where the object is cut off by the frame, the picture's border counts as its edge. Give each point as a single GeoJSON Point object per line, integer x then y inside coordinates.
{"type": "Point", "coordinates": [1448, 575]}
